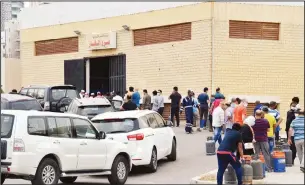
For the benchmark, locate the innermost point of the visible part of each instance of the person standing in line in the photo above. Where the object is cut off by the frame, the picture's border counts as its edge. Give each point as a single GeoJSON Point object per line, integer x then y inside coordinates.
{"type": "Point", "coordinates": [129, 105]}
{"type": "Point", "coordinates": [195, 110]}
{"type": "Point", "coordinates": [229, 114]}
{"type": "Point", "coordinates": [248, 135]}
{"type": "Point", "coordinates": [290, 117]}
{"type": "Point", "coordinates": [203, 100]}
{"type": "Point", "coordinates": [187, 105]}
{"type": "Point", "coordinates": [240, 112]}
{"type": "Point", "coordinates": [297, 127]}
{"type": "Point", "coordinates": [161, 102]}
{"type": "Point", "coordinates": [218, 121]}
{"type": "Point", "coordinates": [82, 94]}
{"type": "Point", "coordinates": [92, 95]}
{"type": "Point", "coordinates": [225, 154]}
{"type": "Point", "coordinates": [136, 97]}
{"type": "Point", "coordinates": [218, 94]}
{"type": "Point", "coordinates": [210, 113]}
{"type": "Point", "coordinates": [272, 123]}
{"type": "Point", "coordinates": [258, 106]}
{"type": "Point", "coordinates": [86, 95]}
{"type": "Point", "coordinates": [175, 98]}
{"type": "Point", "coordinates": [98, 95]}
{"type": "Point", "coordinates": [274, 112]}
{"type": "Point", "coordinates": [155, 101]}
{"type": "Point", "coordinates": [261, 128]}
{"type": "Point", "coordinates": [117, 99]}
{"type": "Point", "coordinates": [125, 96]}
{"type": "Point", "coordinates": [146, 100]}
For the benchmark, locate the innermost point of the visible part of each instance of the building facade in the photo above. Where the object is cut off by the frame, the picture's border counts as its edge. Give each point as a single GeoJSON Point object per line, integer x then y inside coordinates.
{"type": "Point", "coordinates": [12, 39]}
{"type": "Point", "coordinates": [249, 50]}
{"type": "Point", "coordinates": [9, 11]}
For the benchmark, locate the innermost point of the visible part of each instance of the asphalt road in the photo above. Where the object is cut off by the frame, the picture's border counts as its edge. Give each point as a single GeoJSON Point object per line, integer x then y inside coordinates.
{"type": "Point", "coordinates": [191, 161]}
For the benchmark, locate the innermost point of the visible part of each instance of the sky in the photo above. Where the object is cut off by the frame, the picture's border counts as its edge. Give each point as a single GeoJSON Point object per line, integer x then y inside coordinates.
{"type": "Point", "coordinates": [275, 3]}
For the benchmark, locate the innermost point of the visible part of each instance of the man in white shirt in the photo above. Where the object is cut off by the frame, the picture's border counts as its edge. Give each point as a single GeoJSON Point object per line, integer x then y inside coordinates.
{"type": "Point", "coordinates": [161, 102]}
{"type": "Point", "coordinates": [218, 121]}
{"type": "Point", "coordinates": [117, 100]}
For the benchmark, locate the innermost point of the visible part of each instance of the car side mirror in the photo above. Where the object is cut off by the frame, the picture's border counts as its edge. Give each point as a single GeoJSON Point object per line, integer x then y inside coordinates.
{"type": "Point", "coordinates": [102, 135]}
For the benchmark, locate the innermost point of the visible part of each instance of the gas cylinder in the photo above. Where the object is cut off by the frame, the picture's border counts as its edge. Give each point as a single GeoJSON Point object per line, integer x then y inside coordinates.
{"type": "Point", "coordinates": [262, 159]}
{"type": "Point", "coordinates": [258, 168]}
{"type": "Point", "coordinates": [279, 162]}
{"type": "Point", "coordinates": [288, 154]}
{"type": "Point", "coordinates": [230, 175]}
{"type": "Point", "coordinates": [210, 146]}
{"type": "Point", "coordinates": [247, 170]}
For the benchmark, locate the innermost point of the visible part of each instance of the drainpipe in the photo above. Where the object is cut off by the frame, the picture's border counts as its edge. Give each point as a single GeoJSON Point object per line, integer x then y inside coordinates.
{"type": "Point", "coordinates": [212, 46]}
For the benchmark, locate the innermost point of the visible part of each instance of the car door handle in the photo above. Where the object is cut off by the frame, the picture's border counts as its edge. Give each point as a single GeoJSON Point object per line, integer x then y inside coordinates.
{"type": "Point", "coordinates": [83, 143]}
{"type": "Point", "coordinates": [150, 135]}
{"type": "Point", "coordinates": [56, 142]}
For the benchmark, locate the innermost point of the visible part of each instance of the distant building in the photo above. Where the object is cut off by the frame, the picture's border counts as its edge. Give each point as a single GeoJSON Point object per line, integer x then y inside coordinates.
{"type": "Point", "coordinates": [33, 4]}
{"type": "Point", "coordinates": [12, 39]}
{"type": "Point", "coordinates": [9, 11]}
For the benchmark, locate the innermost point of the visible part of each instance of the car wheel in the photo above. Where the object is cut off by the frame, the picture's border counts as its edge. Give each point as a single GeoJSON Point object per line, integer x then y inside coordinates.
{"type": "Point", "coordinates": [3, 177]}
{"type": "Point", "coordinates": [67, 180]}
{"type": "Point", "coordinates": [173, 155]}
{"type": "Point", "coordinates": [119, 171]}
{"type": "Point", "coordinates": [47, 173]}
{"type": "Point", "coordinates": [153, 165]}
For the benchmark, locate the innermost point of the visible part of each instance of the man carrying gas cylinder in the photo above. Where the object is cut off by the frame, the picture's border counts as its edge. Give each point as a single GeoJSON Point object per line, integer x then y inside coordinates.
{"type": "Point", "coordinates": [187, 105]}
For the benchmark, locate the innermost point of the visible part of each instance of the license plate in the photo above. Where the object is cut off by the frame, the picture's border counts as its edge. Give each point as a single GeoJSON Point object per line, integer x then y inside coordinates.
{"type": "Point", "coordinates": [249, 146]}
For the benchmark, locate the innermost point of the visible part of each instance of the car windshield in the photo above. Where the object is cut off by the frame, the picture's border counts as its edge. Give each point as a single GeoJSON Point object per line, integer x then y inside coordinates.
{"type": "Point", "coordinates": [94, 110]}
{"type": "Point", "coordinates": [25, 105]}
{"type": "Point", "coordinates": [7, 122]}
{"type": "Point", "coordinates": [57, 94]}
{"type": "Point", "coordinates": [115, 125]}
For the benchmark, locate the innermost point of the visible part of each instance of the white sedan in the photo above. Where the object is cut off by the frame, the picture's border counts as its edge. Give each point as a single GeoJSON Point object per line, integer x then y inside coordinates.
{"type": "Point", "coordinates": [146, 133]}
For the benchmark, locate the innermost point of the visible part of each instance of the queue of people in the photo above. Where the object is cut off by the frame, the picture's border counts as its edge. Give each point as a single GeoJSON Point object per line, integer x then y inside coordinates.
{"type": "Point", "coordinates": [256, 134]}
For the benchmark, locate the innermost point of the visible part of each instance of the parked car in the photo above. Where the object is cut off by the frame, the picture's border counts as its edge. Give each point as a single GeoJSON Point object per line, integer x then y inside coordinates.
{"type": "Point", "coordinates": [51, 98]}
{"type": "Point", "coordinates": [45, 147]}
{"type": "Point", "coordinates": [90, 107]}
{"type": "Point", "coordinates": [145, 132]}
{"type": "Point", "coordinates": [18, 102]}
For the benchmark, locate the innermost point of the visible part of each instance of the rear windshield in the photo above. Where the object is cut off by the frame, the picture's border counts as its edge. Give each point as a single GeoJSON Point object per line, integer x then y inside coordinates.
{"type": "Point", "coordinates": [25, 105]}
{"type": "Point", "coordinates": [94, 110]}
{"type": "Point", "coordinates": [116, 125]}
{"type": "Point", "coordinates": [7, 122]}
{"type": "Point", "coordinates": [58, 94]}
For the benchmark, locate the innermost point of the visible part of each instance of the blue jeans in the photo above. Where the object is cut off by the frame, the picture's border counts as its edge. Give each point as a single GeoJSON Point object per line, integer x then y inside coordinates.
{"type": "Point", "coordinates": [271, 143]}
{"type": "Point", "coordinates": [217, 134]}
{"type": "Point", "coordinates": [223, 161]}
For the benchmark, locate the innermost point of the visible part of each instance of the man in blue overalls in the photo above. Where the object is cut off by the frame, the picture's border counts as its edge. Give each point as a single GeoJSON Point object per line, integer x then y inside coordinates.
{"type": "Point", "coordinates": [187, 105]}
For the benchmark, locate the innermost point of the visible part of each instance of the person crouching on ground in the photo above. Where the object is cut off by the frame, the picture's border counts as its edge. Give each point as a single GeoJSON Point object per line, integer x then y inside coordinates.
{"type": "Point", "coordinates": [261, 128]}
{"type": "Point", "coordinates": [225, 154]}
{"type": "Point", "coordinates": [218, 121]}
{"type": "Point", "coordinates": [247, 134]}
{"type": "Point", "coordinates": [187, 105]}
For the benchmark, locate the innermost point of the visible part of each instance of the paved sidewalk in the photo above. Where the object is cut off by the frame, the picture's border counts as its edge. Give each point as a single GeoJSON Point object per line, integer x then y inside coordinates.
{"type": "Point", "coordinates": [293, 175]}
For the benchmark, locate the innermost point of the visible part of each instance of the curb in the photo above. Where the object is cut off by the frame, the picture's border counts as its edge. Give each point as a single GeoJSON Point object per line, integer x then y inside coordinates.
{"type": "Point", "coordinates": [197, 179]}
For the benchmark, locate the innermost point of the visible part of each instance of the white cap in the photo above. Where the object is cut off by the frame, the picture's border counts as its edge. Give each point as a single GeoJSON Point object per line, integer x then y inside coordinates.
{"type": "Point", "coordinates": [82, 91]}
{"type": "Point", "coordinates": [250, 120]}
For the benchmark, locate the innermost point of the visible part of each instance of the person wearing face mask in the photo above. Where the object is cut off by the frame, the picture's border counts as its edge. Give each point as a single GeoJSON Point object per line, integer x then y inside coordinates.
{"type": "Point", "coordinates": [229, 114]}
{"type": "Point", "coordinates": [218, 121]}
{"type": "Point", "coordinates": [161, 102]}
{"type": "Point", "coordinates": [187, 105]}
{"type": "Point", "coordinates": [240, 112]}
{"type": "Point", "coordinates": [247, 134]}
{"type": "Point", "coordinates": [290, 117]}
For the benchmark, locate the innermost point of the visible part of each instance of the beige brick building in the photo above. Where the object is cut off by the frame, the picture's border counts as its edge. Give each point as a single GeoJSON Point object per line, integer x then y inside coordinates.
{"type": "Point", "coordinates": [254, 51]}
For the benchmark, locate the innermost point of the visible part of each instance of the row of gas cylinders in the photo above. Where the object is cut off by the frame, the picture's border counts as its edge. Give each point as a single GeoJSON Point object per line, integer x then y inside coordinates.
{"type": "Point", "coordinates": [282, 155]}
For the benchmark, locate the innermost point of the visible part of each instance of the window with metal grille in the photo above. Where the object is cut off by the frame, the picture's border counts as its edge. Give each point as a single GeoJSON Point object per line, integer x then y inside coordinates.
{"type": "Point", "coordinates": [162, 34]}
{"type": "Point", "coordinates": [56, 46]}
{"type": "Point", "coordinates": [254, 30]}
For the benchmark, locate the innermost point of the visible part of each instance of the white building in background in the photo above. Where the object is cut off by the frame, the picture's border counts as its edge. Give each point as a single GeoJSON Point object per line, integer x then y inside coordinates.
{"type": "Point", "coordinates": [12, 39]}
{"type": "Point", "coordinates": [37, 3]}
{"type": "Point", "coordinates": [9, 11]}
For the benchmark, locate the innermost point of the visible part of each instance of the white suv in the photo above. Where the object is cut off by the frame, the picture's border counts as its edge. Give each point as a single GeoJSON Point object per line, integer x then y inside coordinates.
{"type": "Point", "coordinates": [45, 147]}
